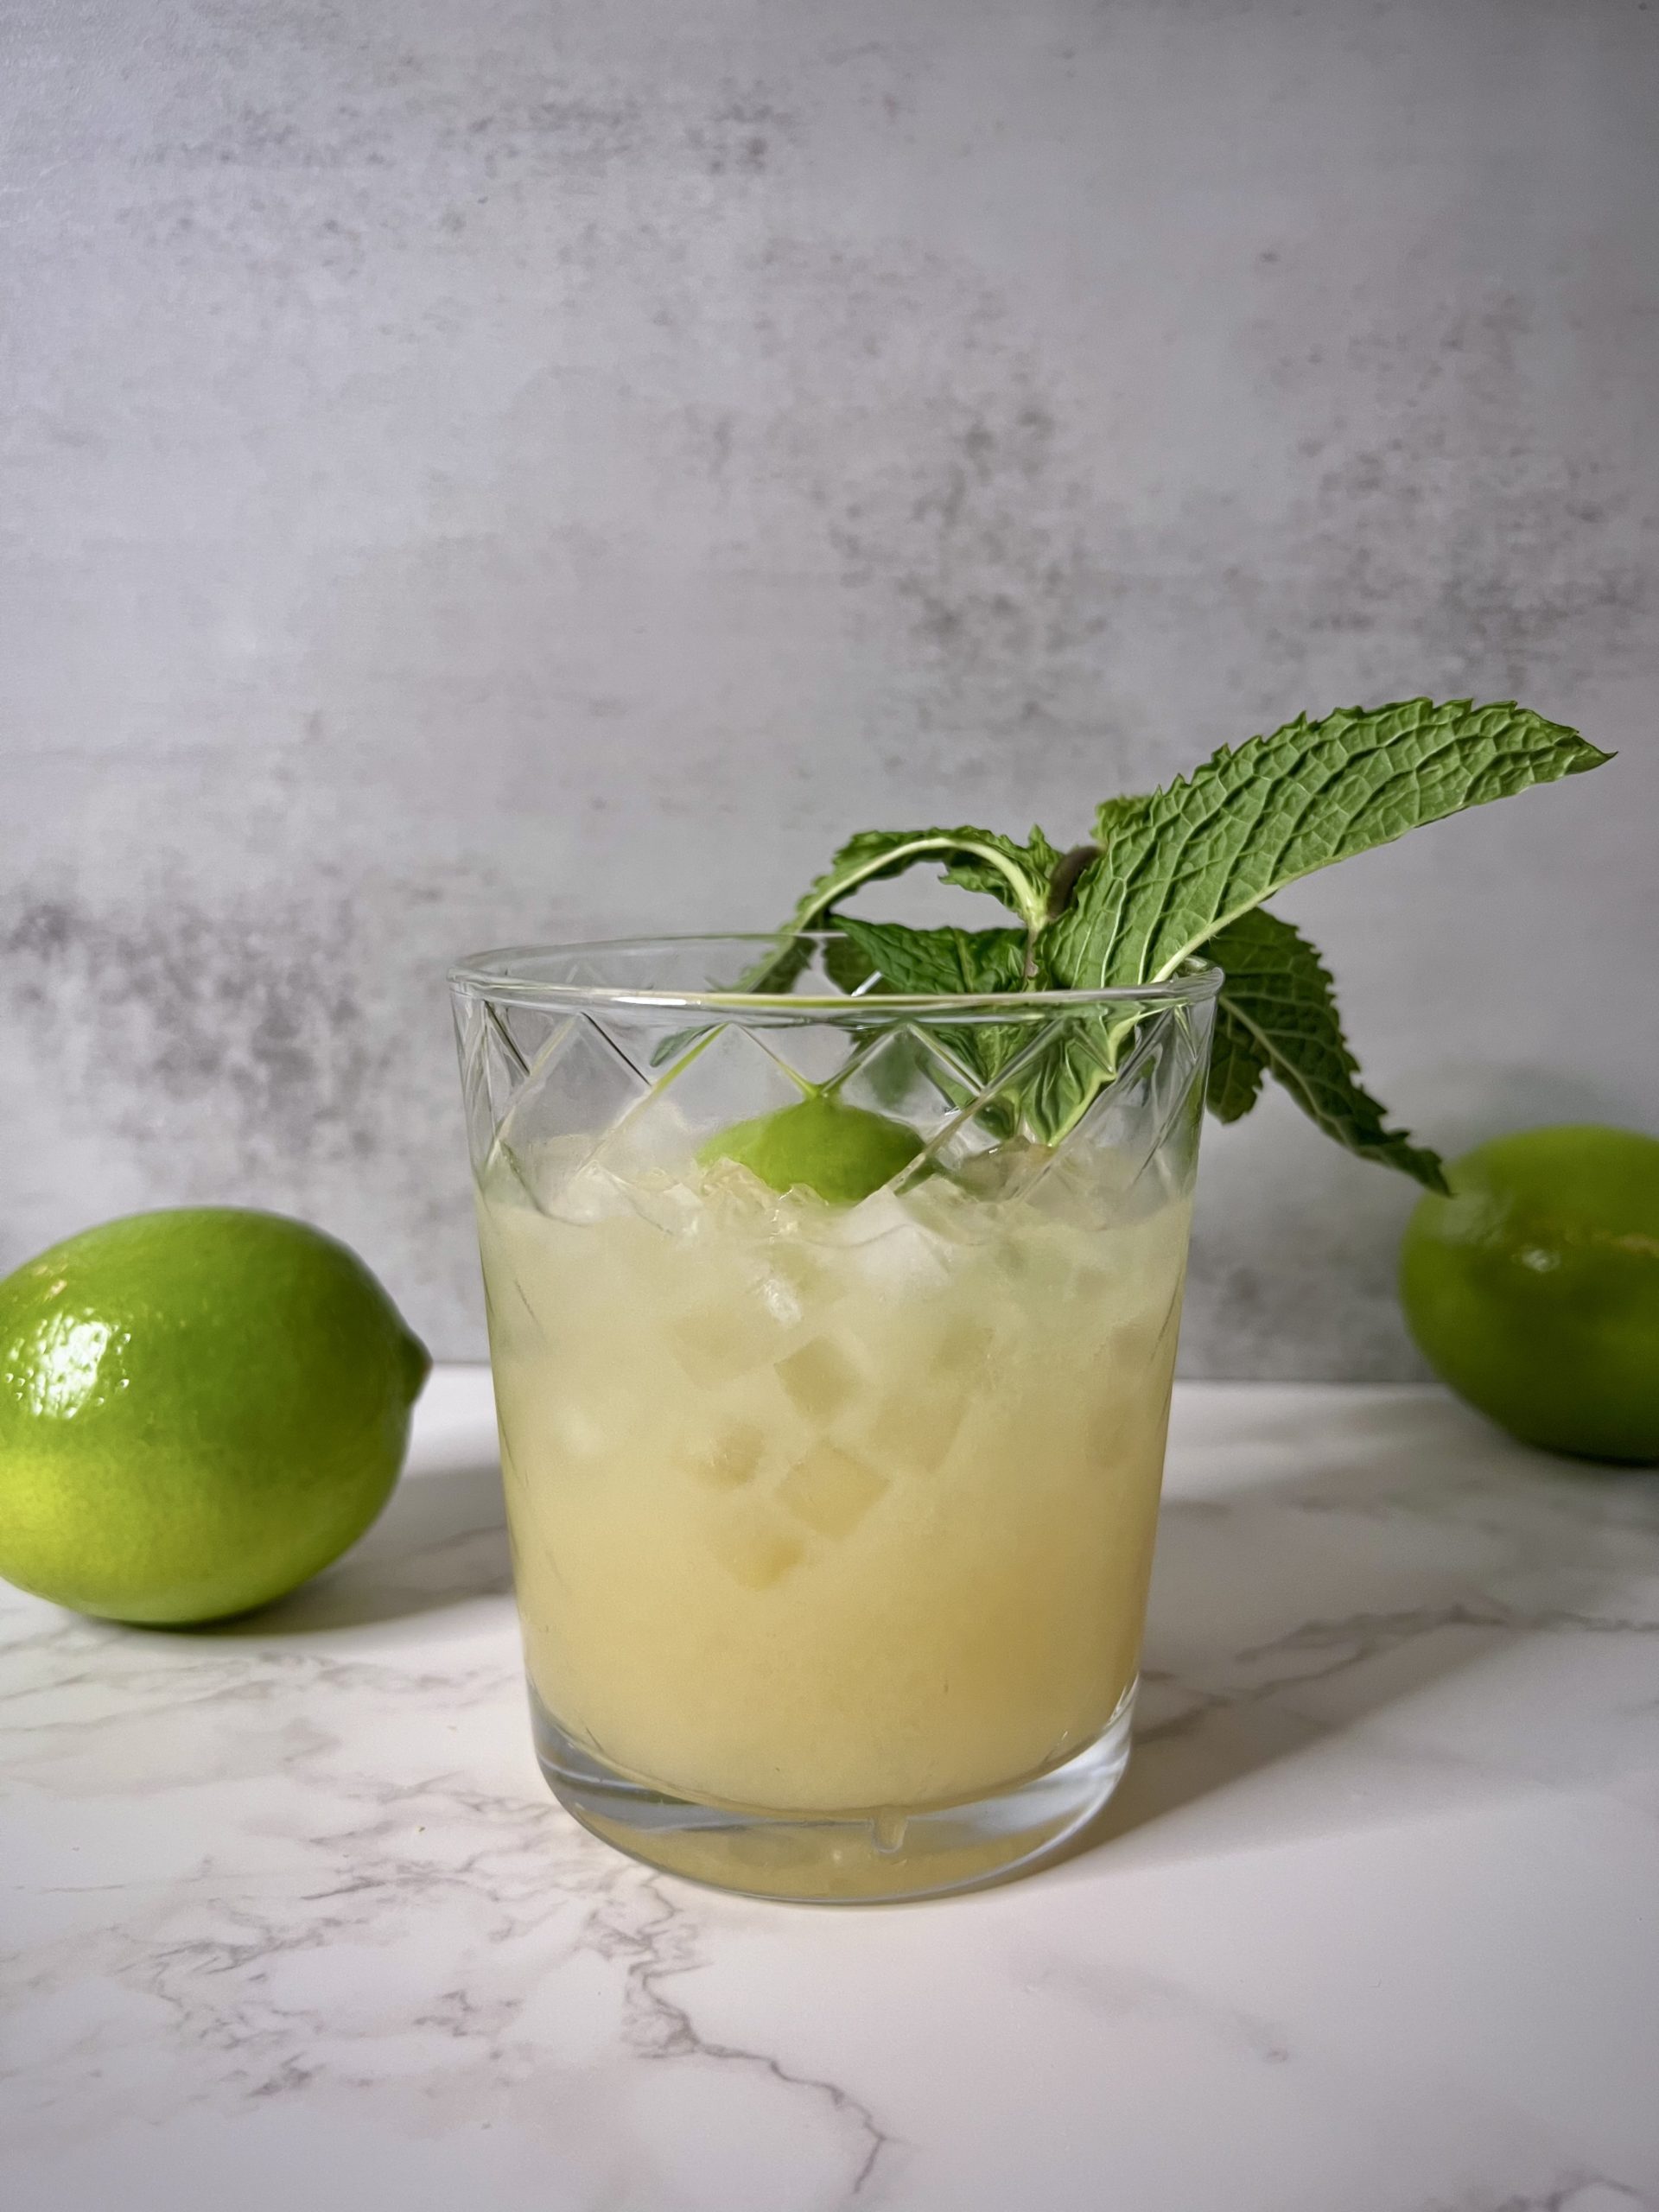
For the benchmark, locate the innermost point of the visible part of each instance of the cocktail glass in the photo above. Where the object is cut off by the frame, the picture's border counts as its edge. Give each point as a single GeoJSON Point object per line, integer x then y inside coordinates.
{"type": "Point", "coordinates": [831, 1523]}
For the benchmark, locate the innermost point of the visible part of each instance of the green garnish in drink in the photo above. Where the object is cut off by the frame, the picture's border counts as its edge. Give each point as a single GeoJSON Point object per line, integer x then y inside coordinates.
{"type": "Point", "coordinates": [833, 1438]}
{"type": "Point", "coordinates": [1185, 872]}
{"type": "Point", "coordinates": [843, 1153]}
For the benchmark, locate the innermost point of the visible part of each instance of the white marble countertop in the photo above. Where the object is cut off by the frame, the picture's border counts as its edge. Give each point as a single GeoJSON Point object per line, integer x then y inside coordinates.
{"type": "Point", "coordinates": [1373, 1926]}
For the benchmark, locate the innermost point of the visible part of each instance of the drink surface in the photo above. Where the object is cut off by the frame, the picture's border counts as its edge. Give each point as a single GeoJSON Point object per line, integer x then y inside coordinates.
{"type": "Point", "coordinates": [823, 1509]}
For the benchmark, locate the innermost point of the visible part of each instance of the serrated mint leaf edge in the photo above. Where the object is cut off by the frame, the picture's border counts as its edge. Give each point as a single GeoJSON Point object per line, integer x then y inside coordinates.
{"type": "Point", "coordinates": [1311, 1061]}
{"type": "Point", "coordinates": [1237, 1068]}
{"type": "Point", "coordinates": [1087, 945]}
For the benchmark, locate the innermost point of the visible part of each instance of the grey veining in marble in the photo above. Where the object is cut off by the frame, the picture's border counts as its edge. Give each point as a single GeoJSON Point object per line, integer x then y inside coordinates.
{"type": "Point", "coordinates": [290, 1917]}
{"type": "Point", "coordinates": [478, 471]}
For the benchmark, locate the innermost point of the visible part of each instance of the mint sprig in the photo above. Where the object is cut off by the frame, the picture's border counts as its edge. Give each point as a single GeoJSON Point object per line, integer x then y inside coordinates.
{"type": "Point", "coordinates": [1185, 870]}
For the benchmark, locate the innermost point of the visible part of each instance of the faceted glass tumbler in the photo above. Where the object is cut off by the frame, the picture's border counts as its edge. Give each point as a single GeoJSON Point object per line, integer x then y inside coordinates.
{"type": "Point", "coordinates": [832, 1515]}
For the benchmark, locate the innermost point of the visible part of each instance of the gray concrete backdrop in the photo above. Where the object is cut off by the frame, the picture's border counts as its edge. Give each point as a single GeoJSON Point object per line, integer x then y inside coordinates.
{"type": "Point", "coordinates": [484, 469]}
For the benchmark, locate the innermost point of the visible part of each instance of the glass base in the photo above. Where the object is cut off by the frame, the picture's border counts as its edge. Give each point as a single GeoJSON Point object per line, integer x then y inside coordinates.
{"type": "Point", "coordinates": [868, 1857]}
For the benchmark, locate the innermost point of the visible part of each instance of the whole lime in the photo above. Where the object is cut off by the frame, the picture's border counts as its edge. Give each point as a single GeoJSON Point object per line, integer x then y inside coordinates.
{"type": "Point", "coordinates": [198, 1409]}
{"type": "Point", "coordinates": [843, 1153]}
{"type": "Point", "coordinates": [1532, 1290]}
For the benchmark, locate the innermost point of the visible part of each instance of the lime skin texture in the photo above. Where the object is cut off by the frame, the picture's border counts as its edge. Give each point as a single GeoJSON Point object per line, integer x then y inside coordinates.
{"type": "Point", "coordinates": [198, 1408]}
{"type": "Point", "coordinates": [843, 1153]}
{"type": "Point", "coordinates": [1532, 1290]}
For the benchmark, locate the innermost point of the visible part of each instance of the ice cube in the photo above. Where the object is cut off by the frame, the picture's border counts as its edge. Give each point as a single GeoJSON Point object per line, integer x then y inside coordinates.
{"type": "Point", "coordinates": [732, 1201]}
{"type": "Point", "coordinates": [872, 1218]}
{"type": "Point", "coordinates": [666, 1201]}
{"type": "Point", "coordinates": [949, 1210]}
{"type": "Point", "coordinates": [592, 1193]}
{"type": "Point", "coordinates": [713, 1344]}
{"type": "Point", "coordinates": [781, 1298]}
{"type": "Point", "coordinates": [831, 1489]}
{"type": "Point", "coordinates": [652, 1137]}
{"type": "Point", "coordinates": [1040, 1259]}
{"type": "Point", "coordinates": [534, 1173]}
{"type": "Point", "coordinates": [913, 1428]}
{"type": "Point", "coordinates": [820, 1378]}
{"type": "Point", "coordinates": [898, 1256]}
{"type": "Point", "coordinates": [754, 1548]}
{"type": "Point", "coordinates": [751, 1314]}
{"type": "Point", "coordinates": [795, 1280]}
{"type": "Point", "coordinates": [731, 1459]}
{"type": "Point", "coordinates": [963, 1349]}
{"type": "Point", "coordinates": [1002, 1174]}
{"type": "Point", "coordinates": [1086, 1187]}
{"type": "Point", "coordinates": [911, 1262]}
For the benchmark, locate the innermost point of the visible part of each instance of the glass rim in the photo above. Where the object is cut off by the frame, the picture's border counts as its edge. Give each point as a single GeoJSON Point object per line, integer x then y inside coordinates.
{"type": "Point", "coordinates": [488, 976]}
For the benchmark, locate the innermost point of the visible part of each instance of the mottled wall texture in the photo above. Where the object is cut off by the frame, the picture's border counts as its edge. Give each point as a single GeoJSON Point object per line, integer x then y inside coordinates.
{"type": "Point", "coordinates": [486, 469]}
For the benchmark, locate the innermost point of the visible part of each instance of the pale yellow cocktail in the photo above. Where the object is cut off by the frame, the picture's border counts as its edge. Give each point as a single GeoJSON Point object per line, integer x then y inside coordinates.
{"type": "Point", "coordinates": [828, 1510]}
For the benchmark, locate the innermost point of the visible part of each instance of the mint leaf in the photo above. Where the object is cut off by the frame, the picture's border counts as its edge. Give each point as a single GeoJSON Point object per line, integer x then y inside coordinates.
{"type": "Point", "coordinates": [1110, 817]}
{"type": "Point", "coordinates": [776, 974]}
{"type": "Point", "coordinates": [1237, 1068]}
{"type": "Point", "coordinates": [1052, 1084]}
{"type": "Point", "coordinates": [1064, 1078]}
{"type": "Point", "coordinates": [1114, 816]}
{"type": "Point", "coordinates": [1068, 872]}
{"type": "Point", "coordinates": [926, 963]}
{"type": "Point", "coordinates": [1036, 859]}
{"type": "Point", "coordinates": [1278, 1012]}
{"type": "Point", "coordinates": [847, 968]}
{"type": "Point", "coordinates": [1211, 848]}
{"type": "Point", "coordinates": [979, 860]}
{"type": "Point", "coordinates": [951, 963]}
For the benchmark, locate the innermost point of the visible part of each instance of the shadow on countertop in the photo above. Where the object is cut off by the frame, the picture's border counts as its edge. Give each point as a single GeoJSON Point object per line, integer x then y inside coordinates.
{"type": "Point", "coordinates": [1411, 1544]}
{"type": "Point", "coordinates": [441, 1542]}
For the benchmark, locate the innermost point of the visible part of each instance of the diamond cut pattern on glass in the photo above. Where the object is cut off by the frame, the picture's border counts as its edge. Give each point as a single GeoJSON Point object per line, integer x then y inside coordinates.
{"type": "Point", "coordinates": [555, 1093]}
{"type": "Point", "coordinates": [904, 1073]}
{"type": "Point", "coordinates": [1139, 1116]}
{"type": "Point", "coordinates": [989, 1115]}
{"type": "Point", "coordinates": [544, 1116]}
{"type": "Point", "coordinates": [729, 1075]}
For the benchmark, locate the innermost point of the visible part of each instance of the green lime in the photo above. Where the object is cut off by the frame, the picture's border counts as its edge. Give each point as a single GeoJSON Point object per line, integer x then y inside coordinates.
{"type": "Point", "coordinates": [198, 1409]}
{"type": "Point", "coordinates": [842, 1153]}
{"type": "Point", "coordinates": [1534, 1290]}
